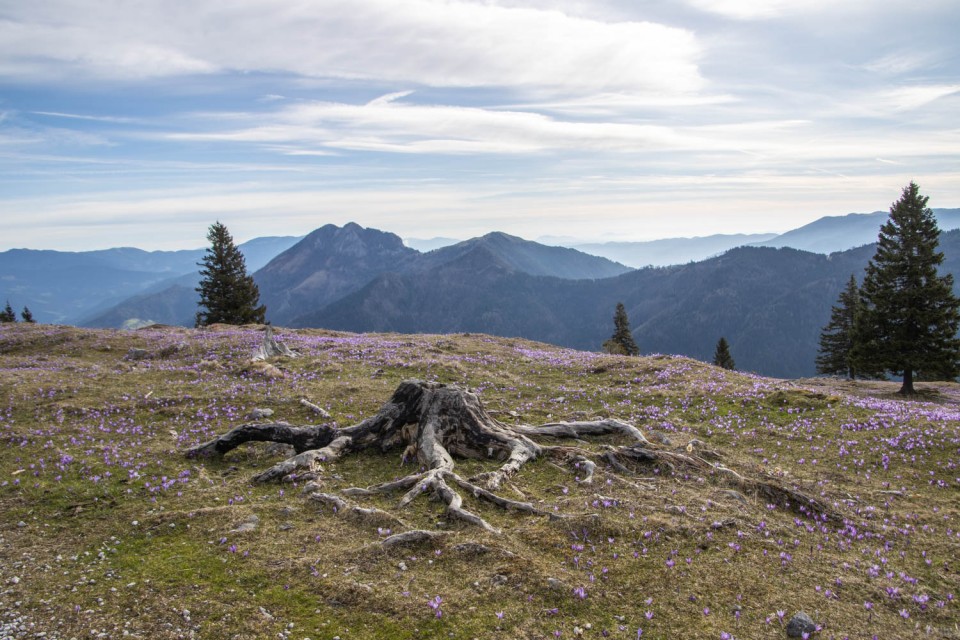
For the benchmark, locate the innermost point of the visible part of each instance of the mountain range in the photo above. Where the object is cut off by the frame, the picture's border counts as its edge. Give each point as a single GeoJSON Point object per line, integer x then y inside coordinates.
{"type": "Point", "coordinates": [824, 235]}
{"type": "Point", "coordinates": [769, 302]}
{"type": "Point", "coordinates": [69, 287]}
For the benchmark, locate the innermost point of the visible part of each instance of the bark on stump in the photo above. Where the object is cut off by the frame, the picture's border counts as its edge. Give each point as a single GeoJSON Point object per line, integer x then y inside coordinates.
{"type": "Point", "coordinates": [434, 423]}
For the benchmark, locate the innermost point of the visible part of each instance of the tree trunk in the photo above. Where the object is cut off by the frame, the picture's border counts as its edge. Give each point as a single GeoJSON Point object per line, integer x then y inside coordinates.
{"type": "Point", "coordinates": [907, 388]}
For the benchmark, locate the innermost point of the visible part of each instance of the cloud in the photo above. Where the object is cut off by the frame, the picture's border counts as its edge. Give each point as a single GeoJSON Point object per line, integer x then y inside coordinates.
{"type": "Point", "coordinates": [901, 62]}
{"type": "Point", "coordinates": [909, 98]}
{"type": "Point", "coordinates": [448, 43]}
{"type": "Point", "coordinates": [746, 9]}
{"type": "Point", "coordinates": [823, 10]}
{"type": "Point", "coordinates": [388, 124]}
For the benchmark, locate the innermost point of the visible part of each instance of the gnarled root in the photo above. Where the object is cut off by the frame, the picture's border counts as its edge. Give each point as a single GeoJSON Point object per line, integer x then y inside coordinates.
{"type": "Point", "coordinates": [435, 423]}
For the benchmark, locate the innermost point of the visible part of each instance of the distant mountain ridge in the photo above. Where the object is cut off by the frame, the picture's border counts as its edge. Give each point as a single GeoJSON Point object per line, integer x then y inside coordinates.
{"type": "Point", "coordinates": [670, 251]}
{"type": "Point", "coordinates": [332, 262]}
{"type": "Point", "coordinates": [67, 287]}
{"type": "Point", "coordinates": [838, 233]}
{"type": "Point", "coordinates": [769, 302]}
{"type": "Point", "coordinates": [825, 235]}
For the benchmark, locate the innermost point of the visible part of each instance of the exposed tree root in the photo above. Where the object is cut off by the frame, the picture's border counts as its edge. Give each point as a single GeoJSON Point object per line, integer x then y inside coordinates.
{"type": "Point", "coordinates": [434, 423]}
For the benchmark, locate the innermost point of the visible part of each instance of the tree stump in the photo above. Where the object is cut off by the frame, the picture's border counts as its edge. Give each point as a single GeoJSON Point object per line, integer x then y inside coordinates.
{"type": "Point", "coordinates": [434, 424]}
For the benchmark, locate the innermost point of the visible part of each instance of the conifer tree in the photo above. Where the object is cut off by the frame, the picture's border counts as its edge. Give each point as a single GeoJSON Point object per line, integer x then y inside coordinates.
{"type": "Point", "coordinates": [7, 315]}
{"type": "Point", "coordinates": [227, 293]}
{"type": "Point", "coordinates": [837, 353]}
{"type": "Point", "coordinates": [27, 315]}
{"type": "Point", "coordinates": [910, 315]}
{"type": "Point", "coordinates": [722, 357]}
{"type": "Point", "coordinates": [621, 342]}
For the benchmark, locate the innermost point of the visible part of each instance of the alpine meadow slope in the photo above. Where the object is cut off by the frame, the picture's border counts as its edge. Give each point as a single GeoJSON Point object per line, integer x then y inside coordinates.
{"type": "Point", "coordinates": [110, 530]}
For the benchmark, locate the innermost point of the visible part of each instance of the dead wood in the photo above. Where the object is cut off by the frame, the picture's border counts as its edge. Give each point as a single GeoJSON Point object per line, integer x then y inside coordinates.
{"type": "Point", "coordinates": [270, 348]}
{"type": "Point", "coordinates": [433, 424]}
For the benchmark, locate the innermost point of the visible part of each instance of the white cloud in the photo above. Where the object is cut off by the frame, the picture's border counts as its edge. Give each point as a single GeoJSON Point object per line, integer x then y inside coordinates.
{"type": "Point", "coordinates": [638, 207]}
{"type": "Point", "coordinates": [387, 124]}
{"type": "Point", "coordinates": [824, 10]}
{"type": "Point", "coordinates": [430, 42]}
{"type": "Point", "coordinates": [909, 98]}
{"type": "Point", "coordinates": [901, 62]}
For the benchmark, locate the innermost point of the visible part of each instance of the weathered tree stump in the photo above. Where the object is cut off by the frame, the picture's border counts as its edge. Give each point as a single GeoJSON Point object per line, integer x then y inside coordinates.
{"type": "Point", "coordinates": [269, 347]}
{"type": "Point", "coordinates": [435, 423]}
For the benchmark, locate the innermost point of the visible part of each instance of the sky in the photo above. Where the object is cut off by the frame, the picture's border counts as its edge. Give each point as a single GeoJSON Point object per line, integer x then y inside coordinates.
{"type": "Point", "coordinates": [142, 122]}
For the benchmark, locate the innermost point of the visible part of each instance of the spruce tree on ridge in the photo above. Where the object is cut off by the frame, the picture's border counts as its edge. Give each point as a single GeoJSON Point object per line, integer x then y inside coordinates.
{"type": "Point", "coordinates": [621, 342]}
{"type": "Point", "coordinates": [910, 316]}
{"type": "Point", "coordinates": [227, 294]}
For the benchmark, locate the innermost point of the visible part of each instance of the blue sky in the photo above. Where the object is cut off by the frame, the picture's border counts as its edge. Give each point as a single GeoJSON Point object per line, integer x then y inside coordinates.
{"type": "Point", "coordinates": [140, 123]}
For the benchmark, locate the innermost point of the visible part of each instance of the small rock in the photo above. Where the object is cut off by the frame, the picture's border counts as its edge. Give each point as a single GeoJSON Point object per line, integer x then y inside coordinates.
{"type": "Point", "coordinates": [555, 584]}
{"type": "Point", "coordinates": [499, 579]}
{"type": "Point", "coordinates": [286, 526]}
{"type": "Point", "coordinates": [137, 354]}
{"type": "Point", "coordinates": [249, 524]}
{"type": "Point", "coordinates": [259, 414]}
{"type": "Point", "coordinates": [660, 438]}
{"type": "Point", "coordinates": [402, 566]}
{"type": "Point", "coordinates": [800, 624]}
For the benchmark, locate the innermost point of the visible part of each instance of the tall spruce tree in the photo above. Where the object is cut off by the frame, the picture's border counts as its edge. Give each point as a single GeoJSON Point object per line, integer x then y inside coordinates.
{"type": "Point", "coordinates": [621, 342]}
{"type": "Point", "coordinates": [7, 315]}
{"type": "Point", "coordinates": [227, 293]}
{"type": "Point", "coordinates": [910, 316]}
{"type": "Point", "coordinates": [27, 315]}
{"type": "Point", "coordinates": [721, 355]}
{"type": "Point", "coordinates": [837, 354]}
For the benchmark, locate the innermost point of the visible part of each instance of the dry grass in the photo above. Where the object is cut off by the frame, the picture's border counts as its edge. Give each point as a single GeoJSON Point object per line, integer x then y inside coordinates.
{"type": "Point", "coordinates": [108, 531]}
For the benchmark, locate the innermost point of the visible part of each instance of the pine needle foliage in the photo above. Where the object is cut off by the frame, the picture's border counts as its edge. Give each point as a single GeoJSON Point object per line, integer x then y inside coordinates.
{"type": "Point", "coordinates": [837, 354]}
{"type": "Point", "coordinates": [7, 315]}
{"type": "Point", "coordinates": [910, 315]}
{"type": "Point", "coordinates": [722, 357]}
{"type": "Point", "coordinates": [227, 294]}
{"type": "Point", "coordinates": [621, 342]}
{"type": "Point", "coordinates": [27, 315]}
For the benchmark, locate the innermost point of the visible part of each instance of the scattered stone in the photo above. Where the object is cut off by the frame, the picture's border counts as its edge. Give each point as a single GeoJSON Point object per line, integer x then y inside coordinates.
{"type": "Point", "coordinates": [411, 538]}
{"type": "Point", "coordinates": [800, 624]}
{"type": "Point", "coordinates": [553, 583]}
{"type": "Point", "coordinates": [250, 523]}
{"type": "Point", "coordinates": [259, 414]}
{"type": "Point", "coordinates": [286, 526]}
{"type": "Point", "coordinates": [137, 354]}
{"type": "Point", "coordinates": [499, 580]}
{"type": "Point", "coordinates": [660, 438]}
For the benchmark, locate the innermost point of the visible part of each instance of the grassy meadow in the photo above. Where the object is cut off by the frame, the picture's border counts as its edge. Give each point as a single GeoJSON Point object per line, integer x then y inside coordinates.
{"type": "Point", "coordinates": [108, 531]}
